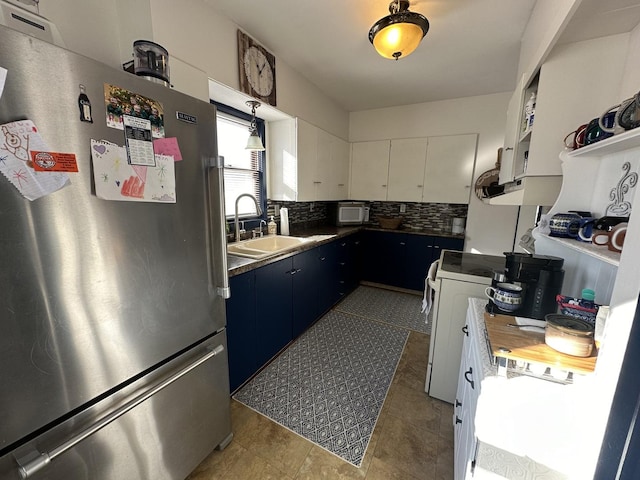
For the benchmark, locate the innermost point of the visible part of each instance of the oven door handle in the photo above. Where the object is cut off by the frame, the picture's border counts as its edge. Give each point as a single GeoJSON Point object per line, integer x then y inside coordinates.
{"type": "Point", "coordinates": [34, 462]}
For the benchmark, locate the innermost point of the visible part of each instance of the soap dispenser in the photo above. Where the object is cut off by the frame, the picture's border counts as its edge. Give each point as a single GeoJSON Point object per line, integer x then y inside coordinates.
{"type": "Point", "coordinates": [272, 227]}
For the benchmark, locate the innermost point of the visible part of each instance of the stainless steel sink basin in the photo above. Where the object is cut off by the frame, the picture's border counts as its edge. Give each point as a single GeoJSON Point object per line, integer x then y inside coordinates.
{"type": "Point", "coordinates": [266, 246]}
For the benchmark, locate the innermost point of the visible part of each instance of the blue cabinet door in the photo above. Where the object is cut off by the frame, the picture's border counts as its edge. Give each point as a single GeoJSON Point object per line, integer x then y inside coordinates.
{"type": "Point", "coordinates": [328, 277]}
{"type": "Point", "coordinates": [305, 290]}
{"type": "Point", "coordinates": [381, 251]}
{"type": "Point", "coordinates": [348, 256]}
{"type": "Point", "coordinates": [241, 329]}
{"type": "Point", "coordinates": [419, 250]}
{"type": "Point", "coordinates": [402, 259]}
{"type": "Point", "coordinates": [445, 243]}
{"type": "Point", "coordinates": [273, 308]}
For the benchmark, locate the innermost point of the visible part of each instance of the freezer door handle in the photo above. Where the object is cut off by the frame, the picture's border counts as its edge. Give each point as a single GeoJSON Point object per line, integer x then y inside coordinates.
{"type": "Point", "coordinates": [34, 462]}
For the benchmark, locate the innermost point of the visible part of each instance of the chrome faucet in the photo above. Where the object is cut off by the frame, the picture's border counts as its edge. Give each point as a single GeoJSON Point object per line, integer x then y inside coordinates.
{"type": "Point", "coordinates": [257, 232]}
{"type": "Point", "coordinates": [258, 210]}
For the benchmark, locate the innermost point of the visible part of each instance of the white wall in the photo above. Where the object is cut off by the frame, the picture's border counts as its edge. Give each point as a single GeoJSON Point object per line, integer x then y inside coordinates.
{"type": "Point", "coordinates": [201, 37]}
{"type": "Point", "coordinates": [89, 27]}
{"type": "Point", "coordinates": [547, 21]}
{"type": "Point", "coordinates": [631, 78]}
{"type": "Point", "coordinates": [202, 43]}
{"type": "Point", "coordinates": [490, 229]}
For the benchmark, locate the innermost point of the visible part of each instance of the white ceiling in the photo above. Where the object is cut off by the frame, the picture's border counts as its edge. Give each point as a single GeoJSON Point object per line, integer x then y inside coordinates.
{"type": "Point", "coordinates": [472, 46]}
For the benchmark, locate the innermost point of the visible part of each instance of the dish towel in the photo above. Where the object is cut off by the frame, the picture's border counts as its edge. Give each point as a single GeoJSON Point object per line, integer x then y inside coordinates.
{"type": "Point", "coordinates": [427, 300]}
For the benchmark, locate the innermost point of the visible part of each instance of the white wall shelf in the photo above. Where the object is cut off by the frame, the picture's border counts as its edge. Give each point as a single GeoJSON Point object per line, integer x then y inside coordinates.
{"type": "Point", "coordinates": [617, 143]}
{"type": "Point", "coordinates": [601, 253]}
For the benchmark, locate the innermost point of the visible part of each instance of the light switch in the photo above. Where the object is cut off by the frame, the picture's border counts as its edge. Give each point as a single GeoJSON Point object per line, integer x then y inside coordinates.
{"type": "Point", "coordinates": [403, 208]}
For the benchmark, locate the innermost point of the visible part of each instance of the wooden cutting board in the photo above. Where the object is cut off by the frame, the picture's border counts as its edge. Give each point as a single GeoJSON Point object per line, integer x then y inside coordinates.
{"type": "Point", "coordinates": [529, 346]}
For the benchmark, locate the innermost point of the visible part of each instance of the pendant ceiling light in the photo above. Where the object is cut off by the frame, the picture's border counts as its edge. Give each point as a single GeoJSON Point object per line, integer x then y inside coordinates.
{"type": "Point", "coordinates": [254, 142]}
{"type": "Point", "coordinates": [398, 34]}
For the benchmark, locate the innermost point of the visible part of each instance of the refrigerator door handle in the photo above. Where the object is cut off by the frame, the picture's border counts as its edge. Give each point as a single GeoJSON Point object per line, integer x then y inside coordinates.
{"type": "Point", "coordinates": [34, 462]}
{"type": "Point", "coordinates": [217, 213]}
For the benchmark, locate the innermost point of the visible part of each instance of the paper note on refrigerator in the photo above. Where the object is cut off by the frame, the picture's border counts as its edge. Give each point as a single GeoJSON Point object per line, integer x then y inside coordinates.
{"type": "Point", "coordinates": [115, 179]}
{"type": "Point", "coordinates": [17, 139]}
{"type": "Point", "coordinates": [168, 146]}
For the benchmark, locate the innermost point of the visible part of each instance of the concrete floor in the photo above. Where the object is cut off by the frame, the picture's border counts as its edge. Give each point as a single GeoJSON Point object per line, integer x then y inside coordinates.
{"type": "Point", "coordinates": [413, 438]}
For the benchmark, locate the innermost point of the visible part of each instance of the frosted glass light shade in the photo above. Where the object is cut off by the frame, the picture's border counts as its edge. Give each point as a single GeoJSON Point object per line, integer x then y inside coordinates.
{"type": "Point", "coordinates": [254, 143]}
{"type": "Point", "coordinates": [399, 34]}
{"type": "Point", "coordinates": [398, 40]}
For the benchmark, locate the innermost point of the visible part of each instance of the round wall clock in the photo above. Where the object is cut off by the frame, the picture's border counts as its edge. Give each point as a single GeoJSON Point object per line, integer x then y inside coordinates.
{"type": "Point", "coordinates": [257, 69]}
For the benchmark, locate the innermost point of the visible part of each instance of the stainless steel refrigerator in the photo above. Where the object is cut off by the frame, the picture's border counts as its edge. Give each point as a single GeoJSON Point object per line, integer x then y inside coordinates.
{"type": "Point", "coordinates": [113, 360]}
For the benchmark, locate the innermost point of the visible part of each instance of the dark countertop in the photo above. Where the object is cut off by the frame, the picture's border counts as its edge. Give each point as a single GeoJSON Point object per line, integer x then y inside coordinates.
{"type": "Point", "coordinates": [237, 265]}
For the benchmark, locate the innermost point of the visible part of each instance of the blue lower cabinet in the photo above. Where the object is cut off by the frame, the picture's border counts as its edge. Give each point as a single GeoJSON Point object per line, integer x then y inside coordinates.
{"type": "Point", "coordinates": [241, 329]}
{"type": "Point", "coordinates": [304, 285]}
{"type": "Point", "coordinates": [348, 263]}
{"type": "Point", "coordinates": [419, 255]}
{"type": "Point", "coordinates": [272, 305]}
{"type": "Point", "coordinates": [402, 259]}
{"type": "Point", "coordinates": [327, 283]}
{"type": "Point", "coordinates": [380, 256]}
{"type": "Point", "coordinates": [273, 309]}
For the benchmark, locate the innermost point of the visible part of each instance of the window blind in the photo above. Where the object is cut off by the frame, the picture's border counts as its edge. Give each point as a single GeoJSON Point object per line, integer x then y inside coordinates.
{"type": "Point", "coordinates": [242, 168]}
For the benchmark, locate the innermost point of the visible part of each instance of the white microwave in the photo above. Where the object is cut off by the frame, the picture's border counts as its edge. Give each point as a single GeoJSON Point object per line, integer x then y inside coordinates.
{"type": "Point", "coordinates": [351, 213]}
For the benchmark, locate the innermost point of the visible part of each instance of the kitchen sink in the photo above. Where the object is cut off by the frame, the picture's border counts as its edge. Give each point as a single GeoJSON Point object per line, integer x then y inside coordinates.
{"type": "Point", "coordinates": [266, 246]}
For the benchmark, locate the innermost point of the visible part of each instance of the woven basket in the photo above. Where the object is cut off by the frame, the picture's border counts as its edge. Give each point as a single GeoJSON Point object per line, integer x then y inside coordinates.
{"type": "Point", "coordinates": [391, 223]}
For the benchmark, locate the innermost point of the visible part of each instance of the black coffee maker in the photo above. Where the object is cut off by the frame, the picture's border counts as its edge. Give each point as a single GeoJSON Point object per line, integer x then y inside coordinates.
{"type": "Point", "coordinates": [541, 279]}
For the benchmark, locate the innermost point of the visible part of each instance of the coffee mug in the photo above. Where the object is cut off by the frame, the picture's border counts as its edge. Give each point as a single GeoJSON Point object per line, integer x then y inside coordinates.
{"type": "Point", "coordinates": [613, 239]}
{"type": "Point", "coordinates": [595, 133]}
{"type": "Point", "coordinates": [577, 138]}
{"type": "Point", "coordinates": [607, 223]}
{"type": "Point", "coordinates": [506, 296]}
{"type": "Point", "coordinates": [608, 126]}
{"type": "Point", "coordinates": [565, 225]}
{"type": "Point", "coordinates": [629, 113]}
{"type": "Point", "coordinates": [586, 229]}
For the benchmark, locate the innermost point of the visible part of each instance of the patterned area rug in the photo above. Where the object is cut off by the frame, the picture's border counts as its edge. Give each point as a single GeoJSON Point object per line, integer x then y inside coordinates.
{"type": "Point", "coordinates": [396, 308]}
{"type": "Point", "coordinates": [329, 385]}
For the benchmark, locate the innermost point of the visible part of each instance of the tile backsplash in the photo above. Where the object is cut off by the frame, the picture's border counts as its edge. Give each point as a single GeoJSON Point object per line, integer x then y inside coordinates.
{"type": "Point", "coordinates": [419, 216]}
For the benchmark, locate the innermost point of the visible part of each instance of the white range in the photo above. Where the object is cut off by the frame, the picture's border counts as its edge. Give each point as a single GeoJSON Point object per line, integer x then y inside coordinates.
{"type": "Point", "coordinates": [459, 276]}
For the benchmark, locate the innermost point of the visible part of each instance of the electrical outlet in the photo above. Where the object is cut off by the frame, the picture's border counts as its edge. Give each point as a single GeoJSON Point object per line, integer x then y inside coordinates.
{"type": "Point", "coordinates": [276, 210]}
{"type": "Point", "coordinates": [403, 208]}
{"type": "Point", "coordinates": [311, 207]}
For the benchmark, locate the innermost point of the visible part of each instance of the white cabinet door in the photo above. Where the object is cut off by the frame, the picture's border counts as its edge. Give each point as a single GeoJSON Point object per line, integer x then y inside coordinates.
{"type": "Point", "coordinates": [332, 167]}
{"type": "Point", "coordinates": [406, 169]}
{"type": "Point", "coordinates": [307, 158]}
{"type": "Point", "coordinates": [449, 168]}
{"type": "Point", "coordinates": [282, 169]}
{"type": "Point", "coordinates": [369, 170]}
{"type": "Point", "coordinates": [470, 377]}
{"type": "Point", "coordinates": [306, 163]}
{"type": "Point", "coordinates": [339, 170]}
{"type": "Point", "coordinates": [511, 135]}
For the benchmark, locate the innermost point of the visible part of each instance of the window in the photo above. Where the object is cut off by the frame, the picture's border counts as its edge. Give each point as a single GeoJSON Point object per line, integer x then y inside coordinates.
{"type": "Point", "coordinates": [243, 169]}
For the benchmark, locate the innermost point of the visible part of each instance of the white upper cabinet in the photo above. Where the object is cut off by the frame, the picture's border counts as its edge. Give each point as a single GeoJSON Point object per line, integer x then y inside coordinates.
{"type": "Point", "coordinates": [571, 89]}
{"type": "Point", "coordinates": [332, 167]}
{"type": "Point", "coordinates": [306, 163]}
{"type": "Point", "coordinates": [511, 134]}
{"type": "Point", "coordinates": [406, 169]}
{"type": "Point", "coordinates": [307, 160]}
{"type": "Point", "coordinates": [449, 168]}
{"type": "Point", "coordinates": [369, 170]}
{"type": "Point", "coordinates": [428, 169]}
